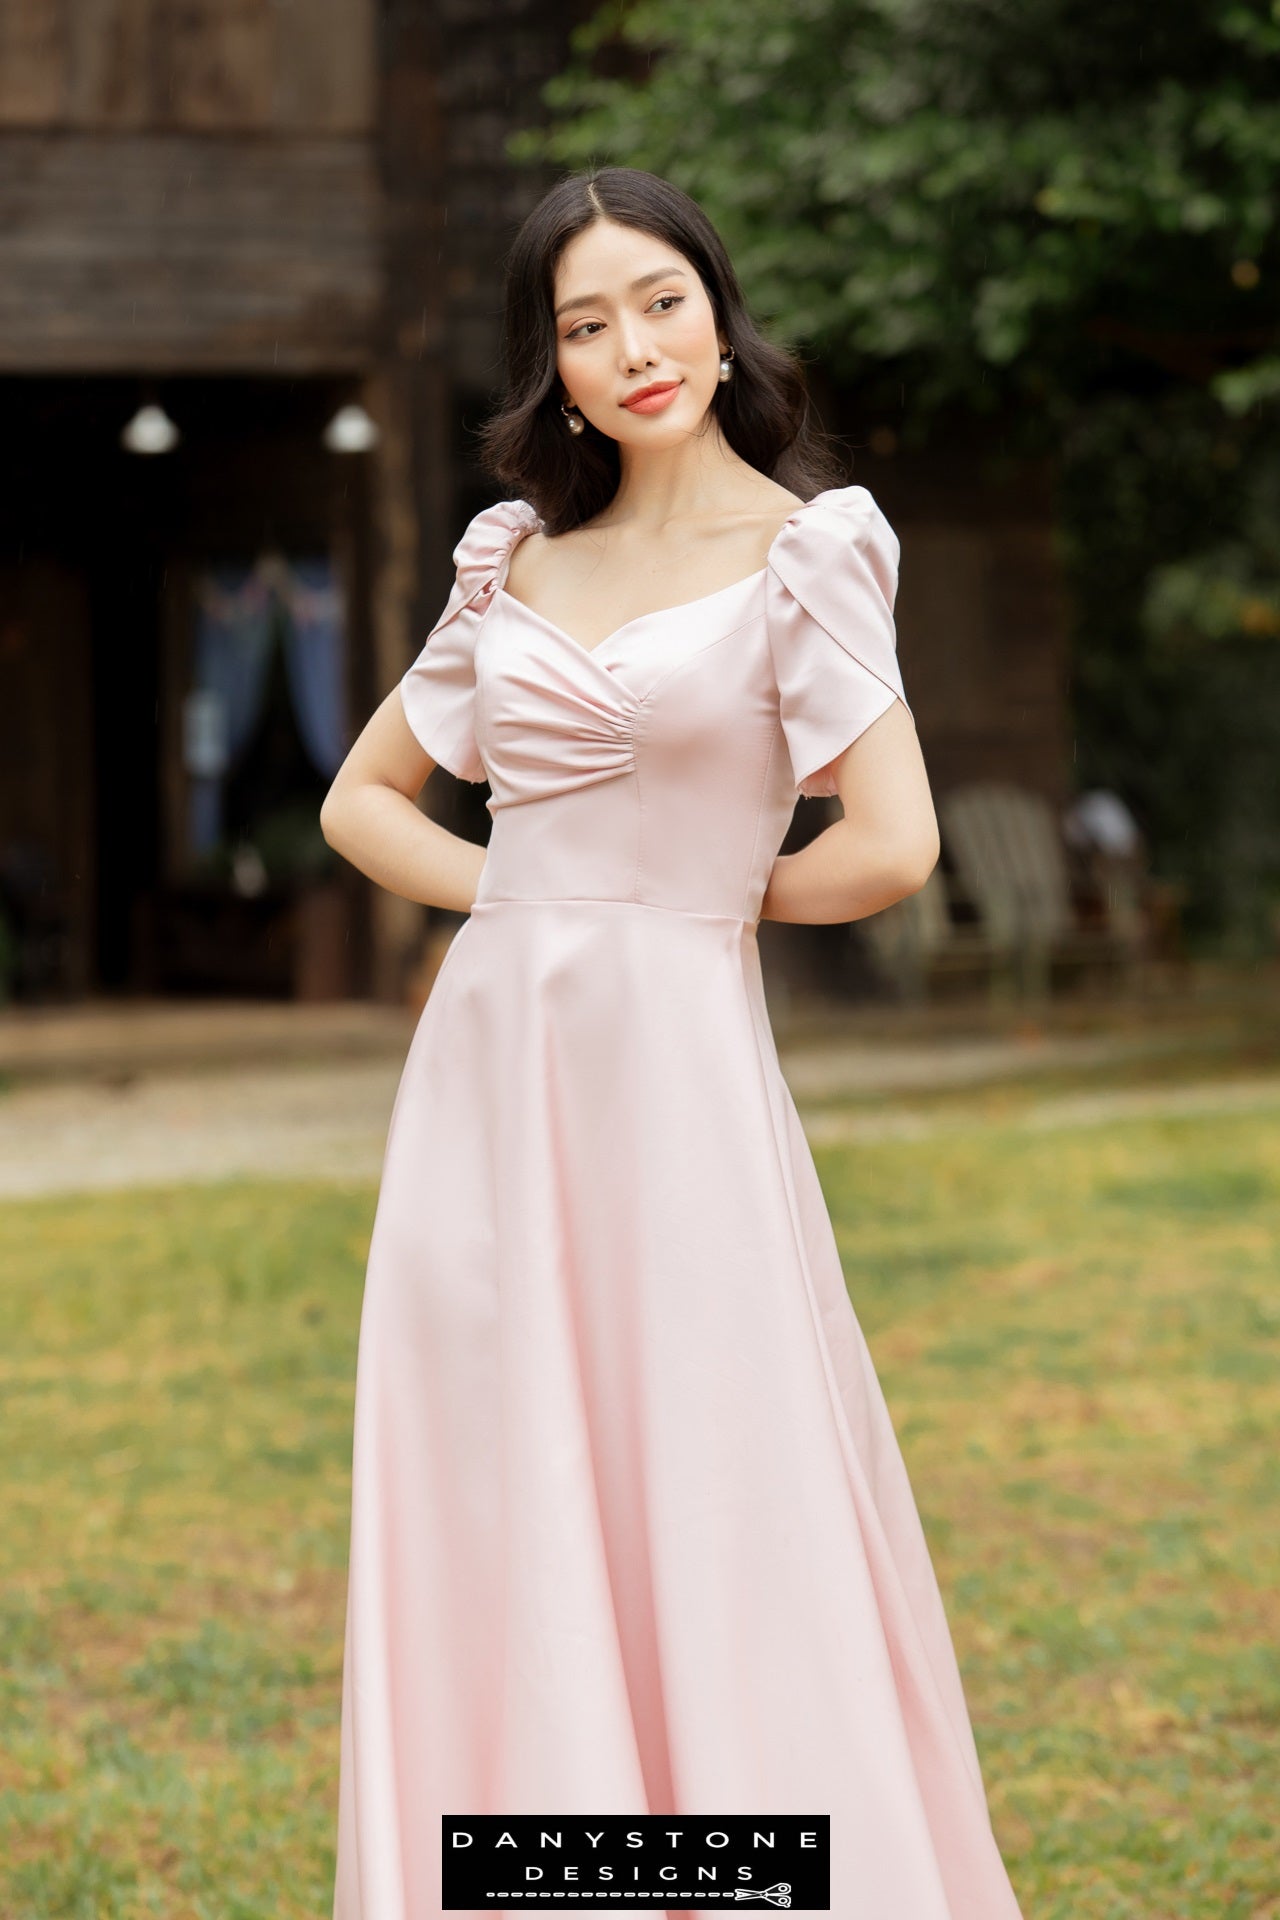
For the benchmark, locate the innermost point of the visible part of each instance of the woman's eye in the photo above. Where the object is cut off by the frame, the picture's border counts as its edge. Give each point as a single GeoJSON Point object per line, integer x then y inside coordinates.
{"type": "Point", "coordinates": [671, 300]}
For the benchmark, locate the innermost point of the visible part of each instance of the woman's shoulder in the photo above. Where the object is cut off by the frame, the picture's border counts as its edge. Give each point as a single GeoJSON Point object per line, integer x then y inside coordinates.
{"type": "Point", "coordinates": [534, 559]}
{"type": "Point", "coordinates": [490, 536]}
{"type": "Point", "coordinates": [764, 522]}
{"type": "Point", "coordinates": [835, 563]}
{"type": "Point", "coordinates": [846, 511]}
{"type": "Point", "coordinates": [838, 527]}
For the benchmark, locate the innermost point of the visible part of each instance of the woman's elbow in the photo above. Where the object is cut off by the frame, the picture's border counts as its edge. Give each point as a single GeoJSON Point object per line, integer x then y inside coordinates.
{"type": "Point", "coordinates": [331, 811]}
{"type": "Point", "coordinates": [914, 862]}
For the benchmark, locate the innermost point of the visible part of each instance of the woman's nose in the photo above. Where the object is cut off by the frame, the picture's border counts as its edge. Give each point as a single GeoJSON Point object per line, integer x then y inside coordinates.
{"type": "Point", "coordinates": [635, 345]}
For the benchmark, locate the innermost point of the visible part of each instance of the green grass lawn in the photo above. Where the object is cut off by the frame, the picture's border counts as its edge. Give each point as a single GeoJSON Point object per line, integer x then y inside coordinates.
{"type": "Point", "coordinates": [1077, 1336]}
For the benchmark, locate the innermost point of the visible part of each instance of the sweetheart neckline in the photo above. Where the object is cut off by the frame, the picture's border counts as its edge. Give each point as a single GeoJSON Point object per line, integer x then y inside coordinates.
{"type": "Point", "coordinates": [532, 521]}
{"type": "Point", "coordinates": [657, 613]}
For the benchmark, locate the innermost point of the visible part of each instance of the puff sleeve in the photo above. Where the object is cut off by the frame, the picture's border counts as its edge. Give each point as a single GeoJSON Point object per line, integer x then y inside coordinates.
{"type": "Point", "coordinates": [831, 582]}
{"type": "Point", "coordinates": [438, 693]}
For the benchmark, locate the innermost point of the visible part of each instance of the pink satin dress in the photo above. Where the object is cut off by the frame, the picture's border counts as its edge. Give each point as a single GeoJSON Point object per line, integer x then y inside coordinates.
{"type": "Point", "coordinates": [631, 1531]}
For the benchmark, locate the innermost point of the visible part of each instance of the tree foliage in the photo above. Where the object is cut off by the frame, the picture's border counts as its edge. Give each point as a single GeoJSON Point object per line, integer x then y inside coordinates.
{"type": "Point", "coordinates": [1022, 197]}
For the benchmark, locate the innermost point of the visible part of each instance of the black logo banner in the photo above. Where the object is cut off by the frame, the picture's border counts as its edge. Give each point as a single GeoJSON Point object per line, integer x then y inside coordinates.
{"type": "Point", "coordinates": [766, 1862]}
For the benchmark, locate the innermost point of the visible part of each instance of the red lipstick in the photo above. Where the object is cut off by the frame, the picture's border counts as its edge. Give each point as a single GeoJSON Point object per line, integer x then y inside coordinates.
{"type": "Point", "coordinates": [654, 398]}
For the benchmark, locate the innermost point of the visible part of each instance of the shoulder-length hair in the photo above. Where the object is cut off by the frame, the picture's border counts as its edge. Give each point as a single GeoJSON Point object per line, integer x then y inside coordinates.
{"type": "Point", "coordinates": [764, 410]}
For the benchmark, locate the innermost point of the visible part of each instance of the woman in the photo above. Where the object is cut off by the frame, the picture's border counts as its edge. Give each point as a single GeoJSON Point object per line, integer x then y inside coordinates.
{"type": "Point", "coordinates": [631, 1532]}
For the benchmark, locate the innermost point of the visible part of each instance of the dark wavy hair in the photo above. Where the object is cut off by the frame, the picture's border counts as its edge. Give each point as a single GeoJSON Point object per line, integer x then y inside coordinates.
{"type": "Point", "coordinates": [764, 411]}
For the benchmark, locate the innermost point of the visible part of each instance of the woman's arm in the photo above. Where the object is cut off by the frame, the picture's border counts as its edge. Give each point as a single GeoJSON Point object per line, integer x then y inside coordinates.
{"type": "Point", "coordinates": [884, 848]}
{"type": "Point", "coordinates": [370, 817]}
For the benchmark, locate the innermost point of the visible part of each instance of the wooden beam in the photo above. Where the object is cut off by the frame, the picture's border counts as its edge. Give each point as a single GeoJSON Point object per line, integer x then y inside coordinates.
{"type": "Point", "coordinates": [172, 66]}
{"type": "Point", "coordinates": [34, 45]}
{"type": "Point", "coordinates": [163, 253]}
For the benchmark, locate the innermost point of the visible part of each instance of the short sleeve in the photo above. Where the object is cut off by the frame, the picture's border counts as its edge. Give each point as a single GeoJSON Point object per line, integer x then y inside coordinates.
{"type": "Point", "coordinates": [438, 693]}
{"type": "Point", "coordinates": [831, 582]}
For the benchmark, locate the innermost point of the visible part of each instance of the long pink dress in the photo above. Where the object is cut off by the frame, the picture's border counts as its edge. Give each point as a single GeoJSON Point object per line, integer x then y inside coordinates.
{"type": "Point", "coordinates": [631, 1532]}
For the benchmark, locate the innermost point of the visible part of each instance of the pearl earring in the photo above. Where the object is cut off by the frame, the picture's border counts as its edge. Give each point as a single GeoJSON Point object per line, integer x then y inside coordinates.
{"type": "Point", "coordinates": [576, 421]}
{"type": "Point", "coordinates": [726, 363]}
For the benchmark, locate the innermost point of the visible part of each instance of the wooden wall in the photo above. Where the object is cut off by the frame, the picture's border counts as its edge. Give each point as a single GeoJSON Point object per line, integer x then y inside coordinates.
{"type": "Point", "coordinates": [212, 66]}
{"type": "Point", "coordinates": [981, 614]}
{"type": "Point", "coordinates": [188, 184]}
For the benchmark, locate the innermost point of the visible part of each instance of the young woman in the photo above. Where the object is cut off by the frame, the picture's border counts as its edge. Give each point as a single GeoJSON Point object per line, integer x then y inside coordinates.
{"type": "Point", "coordinates": [631, 1531]}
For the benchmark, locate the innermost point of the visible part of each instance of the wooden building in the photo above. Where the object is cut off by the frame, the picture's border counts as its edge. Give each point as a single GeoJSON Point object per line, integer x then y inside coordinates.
{"type": "Point", "coordinates": [245, 219]}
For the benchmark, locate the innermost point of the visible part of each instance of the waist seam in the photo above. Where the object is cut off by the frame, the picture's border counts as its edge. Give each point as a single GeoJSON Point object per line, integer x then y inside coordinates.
{"type": "Point", "coordinates": [589, 900]}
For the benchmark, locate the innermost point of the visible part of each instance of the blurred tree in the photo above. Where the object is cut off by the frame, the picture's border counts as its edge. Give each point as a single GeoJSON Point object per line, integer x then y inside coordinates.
{"type": "Point", "coordinates": [1035, 189]}
{"type": "Point", "coordinates": [1063, 214]}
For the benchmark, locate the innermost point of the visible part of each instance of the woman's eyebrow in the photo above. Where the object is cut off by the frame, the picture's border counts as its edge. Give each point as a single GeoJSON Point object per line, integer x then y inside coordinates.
{"type": "Point", "coordinates": [598, 299]}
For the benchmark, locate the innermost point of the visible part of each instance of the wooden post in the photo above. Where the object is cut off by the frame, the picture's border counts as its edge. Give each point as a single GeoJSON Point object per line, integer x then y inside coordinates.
{"type": "Point", "coordinates": [406, 393]}
{"type": "Point", "coordinates": [397, 924]}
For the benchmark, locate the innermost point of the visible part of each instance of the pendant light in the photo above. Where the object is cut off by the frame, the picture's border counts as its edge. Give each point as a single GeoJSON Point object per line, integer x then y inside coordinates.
{"type": "Point", "coordinates": [150, 431]}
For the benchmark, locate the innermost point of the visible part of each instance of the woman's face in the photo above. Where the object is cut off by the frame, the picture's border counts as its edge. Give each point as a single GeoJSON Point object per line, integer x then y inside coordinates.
{"type": "Point", "coordinates": [633, 313]}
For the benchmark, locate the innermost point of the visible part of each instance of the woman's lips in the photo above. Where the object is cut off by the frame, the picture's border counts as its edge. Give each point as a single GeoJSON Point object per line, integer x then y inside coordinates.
{"type": "Point", "coordinates": [653, 402]}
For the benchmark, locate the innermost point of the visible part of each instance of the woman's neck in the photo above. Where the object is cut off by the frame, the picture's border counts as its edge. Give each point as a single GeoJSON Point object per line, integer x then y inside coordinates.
{"type": "Point", "coordinates": [702, 477]}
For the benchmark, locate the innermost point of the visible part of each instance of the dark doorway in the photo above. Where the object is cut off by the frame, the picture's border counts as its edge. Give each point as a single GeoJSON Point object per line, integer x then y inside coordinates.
{"type": "Point", "coordinates": [102, 553]}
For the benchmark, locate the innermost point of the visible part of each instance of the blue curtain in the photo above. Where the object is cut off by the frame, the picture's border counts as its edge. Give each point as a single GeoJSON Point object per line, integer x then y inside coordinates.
{"type": "Point", "coordinates": [315, 657]}
{"type": "Point", "coordinates": [236, 610]}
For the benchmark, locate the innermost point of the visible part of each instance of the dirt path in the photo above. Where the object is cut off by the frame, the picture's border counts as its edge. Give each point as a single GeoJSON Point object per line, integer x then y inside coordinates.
{"type": "Point", "coordinates": [328, 1121]}
{"type": "Point", "coordinates": [1260, 1093]}
{"type": "Point", "coordinates": [280, 1122]}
